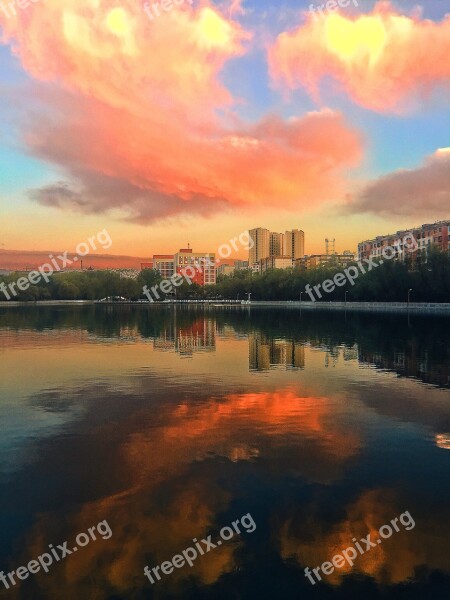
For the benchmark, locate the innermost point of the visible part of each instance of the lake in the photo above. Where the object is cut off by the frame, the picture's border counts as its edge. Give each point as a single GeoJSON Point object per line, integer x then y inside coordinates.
{"type": "Point", "coordinates": [289, 437]}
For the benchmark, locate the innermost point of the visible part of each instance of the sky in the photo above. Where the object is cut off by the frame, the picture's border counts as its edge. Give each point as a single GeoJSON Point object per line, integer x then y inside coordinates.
{"type": "Point", "coordinates": [196, 123]}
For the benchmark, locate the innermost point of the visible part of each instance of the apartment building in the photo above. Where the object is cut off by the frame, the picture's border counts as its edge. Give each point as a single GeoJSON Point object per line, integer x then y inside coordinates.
{"type": "Point", "coordinates": [261, 245]}
{"type": "Point", "coordinates": [427, 236]}
{"type": "Point", "coordinates": [276, 244]}
{"type": "Point", "coordinates": [270, 244]}
{"type": "Point", "coordinates": [240, 264]}
{"type": "Point", "coordinates": [275, 262]}
{"type": "Point", "coordinates": [164, 263]}
{"type": "Point", "coordinates": [226, 270]}
{"type": "Point", "coordinates": [200, 267]}
{"type": "Point", "coordinates": [436, 235]}
{"type": "Point", "coordinates": [294, 244]}
{"type": "Point", "coordinates": [314, 261]}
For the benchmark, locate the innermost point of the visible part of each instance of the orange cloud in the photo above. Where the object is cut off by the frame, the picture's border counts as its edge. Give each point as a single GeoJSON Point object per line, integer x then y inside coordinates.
{"type": "Point", "coordinates": [270, 416]}
{"type": "Point", "coordinates": [394, 560]}
{"type": "Point", "coordinates": [385, 61]}
{"type": "Point", "coordinates": [146, 532]}
{"type": "Point", "coordinates": [143, 533]}
{"type": "Point", "coordinates": [141, 122]}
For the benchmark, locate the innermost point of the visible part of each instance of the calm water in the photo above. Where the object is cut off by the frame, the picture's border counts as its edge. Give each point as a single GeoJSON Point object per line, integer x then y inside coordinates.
{"type": "Point", "coordinates": [171, 424]}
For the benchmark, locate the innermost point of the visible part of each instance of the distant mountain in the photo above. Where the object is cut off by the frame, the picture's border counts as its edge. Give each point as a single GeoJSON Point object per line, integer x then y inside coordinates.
{"type": "Point", "coordinates": [16, 260]}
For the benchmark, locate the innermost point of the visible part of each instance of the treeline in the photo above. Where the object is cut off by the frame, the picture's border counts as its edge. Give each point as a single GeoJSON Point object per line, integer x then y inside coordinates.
{"type": "Point", "coordinates": [390, 282]}
{"type": "Point", "coordinates": [93, 285]}
{"type": "Point", "coordinates": [79, 285]}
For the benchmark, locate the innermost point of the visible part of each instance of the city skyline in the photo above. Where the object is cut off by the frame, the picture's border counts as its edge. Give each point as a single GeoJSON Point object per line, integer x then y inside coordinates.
{"type": "Point", "coordinates": [431, 233]}
{"type": "Point", "coordinates": [351, 144]}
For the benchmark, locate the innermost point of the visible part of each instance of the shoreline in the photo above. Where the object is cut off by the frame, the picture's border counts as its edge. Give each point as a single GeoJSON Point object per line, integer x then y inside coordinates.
{"type": "Point", "coordinates": [374, 307]}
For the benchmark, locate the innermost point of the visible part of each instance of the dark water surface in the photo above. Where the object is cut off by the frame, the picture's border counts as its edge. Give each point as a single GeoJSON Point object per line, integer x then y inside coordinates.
{"type": "Point", "coordinates": [170, 424]}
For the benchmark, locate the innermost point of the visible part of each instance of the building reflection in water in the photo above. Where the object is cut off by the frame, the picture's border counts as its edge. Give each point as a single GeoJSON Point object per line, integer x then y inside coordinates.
{"type": "Point", "coordinates": [197, 336]}
{"type": "Point", "coordinates": [174, 453]}
{"type": "Point", "coordinates": [268, 353]}
{"type": "Point", "coordinates": [411, 362]}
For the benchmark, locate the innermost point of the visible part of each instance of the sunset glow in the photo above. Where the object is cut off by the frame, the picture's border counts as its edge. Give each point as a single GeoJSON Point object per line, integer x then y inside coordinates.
{"type": "Point", "coordinates": [152, 124]}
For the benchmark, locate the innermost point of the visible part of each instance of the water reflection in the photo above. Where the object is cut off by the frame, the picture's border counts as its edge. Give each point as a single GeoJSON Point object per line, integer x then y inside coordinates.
{"type": "Point", "coordinates": [266, 353]}
{"type": "Point", "coordinates": [198, 336]}
{"type": "Point", "coordinates": [309, 424]}
{"type": "Point", "coordinates": [421, 351]}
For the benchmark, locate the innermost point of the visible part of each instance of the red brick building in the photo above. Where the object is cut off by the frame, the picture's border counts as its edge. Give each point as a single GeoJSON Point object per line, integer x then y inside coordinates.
{"type": "Point", "coordinates": [200, 267]}
{"type": "Point", "coordinates": [427, 236]}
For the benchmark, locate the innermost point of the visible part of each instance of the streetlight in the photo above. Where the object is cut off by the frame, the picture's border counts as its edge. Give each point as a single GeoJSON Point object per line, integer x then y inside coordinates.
{"type": "Point", "coordinates": [409, 295]}
{"type": "Point", "coordinates": [301, 294]}
{"type": "Point", "coordinates": [346, 292]}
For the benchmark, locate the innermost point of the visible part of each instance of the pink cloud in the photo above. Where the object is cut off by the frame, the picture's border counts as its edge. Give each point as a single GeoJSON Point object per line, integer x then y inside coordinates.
{"type": "Point", "coordinates": [236, 7]}
{"type": "Point", "coordinates": [135, 112]}
{"type": "Point", "coordinates": [414, 192]}
{"type": "Point", "coordinates": [384, 61]}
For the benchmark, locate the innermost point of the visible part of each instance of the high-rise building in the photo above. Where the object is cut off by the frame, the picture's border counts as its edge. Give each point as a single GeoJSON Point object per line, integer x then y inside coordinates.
{"type": "Point", "coordinates": [269, 244]}
{"type": "Point", "coordinates": [261, 245]}
{"type": "Point", "coordinates": [276, 247]}
{"type": "Point", "coordinates": [294, 244]}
